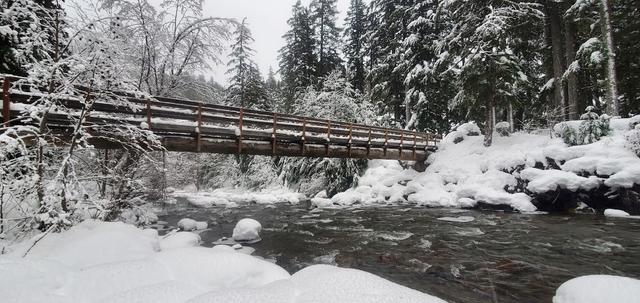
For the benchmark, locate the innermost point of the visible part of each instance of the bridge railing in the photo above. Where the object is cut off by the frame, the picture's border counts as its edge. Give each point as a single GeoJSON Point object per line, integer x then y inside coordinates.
{"type": "Point", "coordinates": [205, 123]}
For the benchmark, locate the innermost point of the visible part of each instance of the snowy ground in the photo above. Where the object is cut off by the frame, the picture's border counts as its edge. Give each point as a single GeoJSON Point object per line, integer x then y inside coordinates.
{"type": "Point", "coordinates": [463, 172]}
{"type": "Point", "coordinates": [115, 262]}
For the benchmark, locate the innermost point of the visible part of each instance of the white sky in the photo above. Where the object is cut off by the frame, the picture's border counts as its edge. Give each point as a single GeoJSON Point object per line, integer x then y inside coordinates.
{"type": "Point", "coordinates": [268, 22]}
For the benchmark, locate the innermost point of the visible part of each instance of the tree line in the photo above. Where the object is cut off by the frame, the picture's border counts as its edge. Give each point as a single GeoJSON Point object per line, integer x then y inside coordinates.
{"type": "Point", "coordinates": [431, 65]}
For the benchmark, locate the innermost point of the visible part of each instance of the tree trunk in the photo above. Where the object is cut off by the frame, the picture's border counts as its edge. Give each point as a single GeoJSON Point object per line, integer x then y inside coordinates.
{"type": "Point", "coordinates": [510, 117]}
{"type": "Point", "coordinates": [612, 81]}
{"type": "Point", "coordinates": [555, 27]}
{"type": "Point", "coordinates": [572, 79]}
{"type": "Point", "coordinates": [490, 108]}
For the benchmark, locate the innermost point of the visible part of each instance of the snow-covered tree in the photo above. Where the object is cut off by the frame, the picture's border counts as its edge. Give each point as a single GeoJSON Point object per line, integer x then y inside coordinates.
{"type": "Point", "coordinates": [336, 101]}
{"type": "Point", "coordinates": [297, 57]}
{"type": "Point", "coordinates": [166, 42]}
{"type": "Point", "coordinates": [246, 88]}
{"type": "Point", "coordinates": [354, 35]}
{"type": "Point", "coordinates": [327, 36]}
{"type": "Point", "coordinates": [481, 49]}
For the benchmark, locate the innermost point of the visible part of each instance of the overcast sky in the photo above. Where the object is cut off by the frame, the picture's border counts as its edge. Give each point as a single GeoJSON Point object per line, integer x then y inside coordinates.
{"type": "Point", "coordinates": [268, 22]}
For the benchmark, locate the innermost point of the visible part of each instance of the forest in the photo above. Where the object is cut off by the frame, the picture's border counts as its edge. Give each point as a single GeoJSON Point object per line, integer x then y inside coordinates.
{"type": "Point", "coordinates": [533, 107]}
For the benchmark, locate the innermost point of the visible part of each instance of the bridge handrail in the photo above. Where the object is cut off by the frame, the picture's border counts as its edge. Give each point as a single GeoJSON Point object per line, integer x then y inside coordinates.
{"type": "Point", "coordinates": [199, 112]}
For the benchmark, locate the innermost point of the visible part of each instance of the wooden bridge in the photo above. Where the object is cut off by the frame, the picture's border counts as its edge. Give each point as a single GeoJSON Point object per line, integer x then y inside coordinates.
{"type": "Point", "coordinates": [191, 126]}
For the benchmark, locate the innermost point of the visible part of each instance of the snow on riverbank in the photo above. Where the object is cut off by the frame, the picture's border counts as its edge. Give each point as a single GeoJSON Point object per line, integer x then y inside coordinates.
{"type": "Point", "coordinates": [463, 172]}
{"type": "Point", "coordinates": [115, 262]}
{"type": "Point", "coordinates": [598, 289]}
{"type": "Point", "coordinates": [232, 197]}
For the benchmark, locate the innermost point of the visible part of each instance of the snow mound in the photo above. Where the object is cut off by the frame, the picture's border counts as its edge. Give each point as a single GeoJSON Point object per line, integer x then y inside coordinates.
{"type": "Point", "coordinates": [128, 267]}
{"type": "Point", "coordinates": [598, 289]}
{"type": "Point", "coordinates": [609, 212]}
{"type": "Point", "coordinates": [247, 230]}
{"type": "Point", "coordinates": [179, 240]}
{"type": "Point", "coordinates": [329, 284]}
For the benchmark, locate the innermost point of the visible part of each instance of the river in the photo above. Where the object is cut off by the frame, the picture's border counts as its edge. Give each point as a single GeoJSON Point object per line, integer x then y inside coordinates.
{"type": "Point", "coordinates": [496, 257]}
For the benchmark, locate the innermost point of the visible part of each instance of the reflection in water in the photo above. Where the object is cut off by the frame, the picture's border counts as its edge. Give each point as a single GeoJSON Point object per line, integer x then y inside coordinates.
{"type": "Point", "coordinates": [514, 257]}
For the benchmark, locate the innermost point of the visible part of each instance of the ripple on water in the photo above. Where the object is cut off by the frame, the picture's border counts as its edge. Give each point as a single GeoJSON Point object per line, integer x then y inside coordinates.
{"type": "Point", "coordinates": [459, 219]}
{"type": "Point", "coordinates": [601, 246]}
{"type": "Point", "coordinates": [329, 258]}
{"type": "Point", "coordinates": [393, 235]}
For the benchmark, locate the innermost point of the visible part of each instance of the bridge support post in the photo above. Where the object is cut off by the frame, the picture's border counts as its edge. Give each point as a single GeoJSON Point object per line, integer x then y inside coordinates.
{"type": "Point", "coordinates": [6, 110]}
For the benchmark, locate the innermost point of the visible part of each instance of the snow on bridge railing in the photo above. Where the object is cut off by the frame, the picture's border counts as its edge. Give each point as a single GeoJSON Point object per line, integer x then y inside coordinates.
{"type": "Point", "coordinates": [195, 123]}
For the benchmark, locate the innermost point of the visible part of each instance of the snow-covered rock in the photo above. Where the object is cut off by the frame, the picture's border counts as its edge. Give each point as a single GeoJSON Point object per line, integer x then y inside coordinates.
{"type": "Point", "coordinates": [247, 230]}
{"type": "Point", "coordinates": [598, 289]}
{"type": "Point", "coordinates": [232, 197]}
{"type": "Point", "coordinates": [188, 224]}
{"type": "Point", "coordinates": [610, 212]}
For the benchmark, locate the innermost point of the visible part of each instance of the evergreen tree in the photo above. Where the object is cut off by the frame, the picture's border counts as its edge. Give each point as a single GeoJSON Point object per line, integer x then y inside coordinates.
{"type": "Point", "coordinates": [297, 59]}
{"type": "Point", "coordinates": [354, 47]}
{"type": "Point", "coordinates": [30, 30]}
{"type": "Point", "coordinates": [481, 43]}
{"type": "Point", "coordinates": [246, 88]}
{"type": "Point", "coordinates": [428, 86]}
{"type": "Point", "coordinates": [327, 36]}
{"type": "Point", "coordinates": [387, 30]}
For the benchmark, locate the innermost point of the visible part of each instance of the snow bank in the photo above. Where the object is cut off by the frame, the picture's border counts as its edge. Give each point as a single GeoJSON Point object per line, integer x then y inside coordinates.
{"type": "Point", "coordinates": [231, 197]}
{"type": "Point", "coordinates": [463, 172]}
{"type": "Point", "coordinates": [115, 262]}
{"type": "Point", "coordinates": [247, 230]}
{"type": "Point", "coordinates": [598, 289]}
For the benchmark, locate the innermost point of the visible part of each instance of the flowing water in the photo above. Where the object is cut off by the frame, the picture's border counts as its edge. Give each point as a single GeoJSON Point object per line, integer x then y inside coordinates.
{"type": "Point", "coordinates": [472, 256]}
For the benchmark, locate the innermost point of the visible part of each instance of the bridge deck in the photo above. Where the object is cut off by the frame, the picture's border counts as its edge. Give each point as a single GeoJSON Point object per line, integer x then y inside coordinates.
{"type": "Point", "coordinates": [191, 126]}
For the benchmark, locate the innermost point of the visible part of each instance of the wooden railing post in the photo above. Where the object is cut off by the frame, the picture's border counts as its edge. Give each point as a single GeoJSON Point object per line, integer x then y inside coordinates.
{"type": "Point", "coordinates": [304, 135]}
{"type": "Point", "coordinates": [413, 156]}
{"type": "Point", "coordinates": [401, 142]}
{"type": "Point", "coordinates": [369, 143]}
{"type": "Point", "coordinates": [273, 135]}
{"type": "Point", "coordinates": [149, 113]}
{"type": "Point", "coordinates": [198, 130]}
{"type": "Point", "coordinates": [239, 133]}
{"type": "Point", "coordinates": [6, 110]}
{"type": "Point", "coordinates": [350, 137]}
{"type": "Point", "coordinates": [386, 140]}
{"type": "Point", "coordinates": [328, 137]}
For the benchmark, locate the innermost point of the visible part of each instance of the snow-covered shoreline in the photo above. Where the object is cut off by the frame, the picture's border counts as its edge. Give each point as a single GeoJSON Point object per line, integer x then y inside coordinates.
{"type": "Point", "coordinates": [97, 261]}
{"type": "Point", "coordinates": [525, 172]}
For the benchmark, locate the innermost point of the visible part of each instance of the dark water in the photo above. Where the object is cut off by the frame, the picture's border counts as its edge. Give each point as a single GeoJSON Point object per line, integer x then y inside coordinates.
{"type": "Point", "coordinates": [501, 257]}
